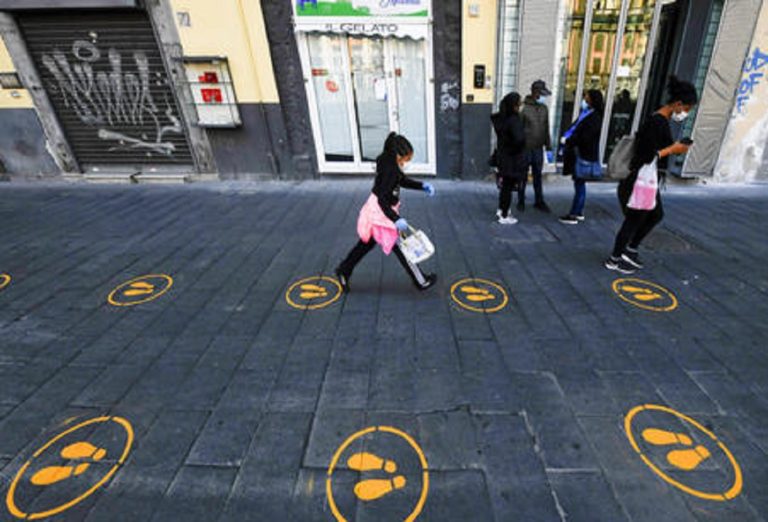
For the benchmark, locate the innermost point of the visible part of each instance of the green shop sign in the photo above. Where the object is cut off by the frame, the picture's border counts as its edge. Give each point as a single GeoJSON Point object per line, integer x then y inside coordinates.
{"type": "Point", "coordinates": [362, 8]}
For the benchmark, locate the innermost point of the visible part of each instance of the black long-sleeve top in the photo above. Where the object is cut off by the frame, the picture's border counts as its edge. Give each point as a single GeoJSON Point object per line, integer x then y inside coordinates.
{"type": "Point", "coordinates": [389, 179]}
{"type": "Point", "coordinates": [653, 136]}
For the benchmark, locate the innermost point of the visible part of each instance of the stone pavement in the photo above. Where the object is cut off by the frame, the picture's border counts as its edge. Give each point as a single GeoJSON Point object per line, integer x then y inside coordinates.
{"type": "Point", "coordinates": [218, 400]}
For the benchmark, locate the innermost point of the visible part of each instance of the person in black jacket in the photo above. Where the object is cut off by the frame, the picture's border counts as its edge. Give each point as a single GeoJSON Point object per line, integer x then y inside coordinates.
{"type": "Point", "coordinates": [582, 142]}
{"type": "Point", "coordinates": [510, 153]}
{"type": "Point", "coordinates": [379, 220]}
{"type": "Point", "coordinates": [653, 141]}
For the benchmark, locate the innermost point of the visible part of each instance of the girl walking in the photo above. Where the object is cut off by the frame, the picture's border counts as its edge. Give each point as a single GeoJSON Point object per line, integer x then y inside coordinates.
{"type": "Point", "coordinates": [379, 220]}
{"type": "Point", "coordinates": [652, 143]}
{"type": "Point", "coordinates": [510, 153]}
{"type": "Point", "coordinates": [581, 156]}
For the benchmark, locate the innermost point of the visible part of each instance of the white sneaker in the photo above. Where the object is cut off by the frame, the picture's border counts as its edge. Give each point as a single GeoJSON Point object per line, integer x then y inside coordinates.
{"type": "Point", "coordinates": [499, 213]}
{"type": "Point", "coordinates": [509, 220]}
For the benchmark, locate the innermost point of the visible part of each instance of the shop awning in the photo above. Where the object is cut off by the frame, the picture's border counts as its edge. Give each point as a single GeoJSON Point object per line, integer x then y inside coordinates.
{"type": "Point", "coordinates": [415, 31]}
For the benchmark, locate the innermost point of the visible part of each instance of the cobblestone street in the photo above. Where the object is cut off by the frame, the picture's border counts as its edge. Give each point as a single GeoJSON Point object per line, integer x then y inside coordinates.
{"type": "Point", "coordinates": [236, 384]}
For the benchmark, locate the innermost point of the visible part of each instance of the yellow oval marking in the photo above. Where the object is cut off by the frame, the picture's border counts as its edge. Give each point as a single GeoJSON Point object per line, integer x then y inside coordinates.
{"type": "Point", "coordinates": [468, 291]}
{"type": "Point", "coordinates": [641, 293]}
{"type": "Point", "coordinates": [310, 290]}
{"type": "Point", "coordinates": [140, 286]}
{"type": "Point", "coordinates": [683, 459]}
{"type": "Point", "coordinates": [370, 490]}
{"type": "Point", "coordinates": [5, 280]}
{"type": "Point", "coordinates": [10, 498]}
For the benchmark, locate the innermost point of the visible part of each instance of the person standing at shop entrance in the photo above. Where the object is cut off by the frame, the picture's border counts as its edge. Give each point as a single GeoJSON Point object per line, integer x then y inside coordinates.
{"type": "Point", "coordinates": [536, 123]}
{"type": "Point", "coordinates": [510, 153]}
{"type": "Point", "coordinates": [581, 157]}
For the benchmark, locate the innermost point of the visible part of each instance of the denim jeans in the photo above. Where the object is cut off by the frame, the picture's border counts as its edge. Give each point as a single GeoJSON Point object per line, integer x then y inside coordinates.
{"type": "Point", "coordinates": [579, 197]}
{"type": "Point", "coordinates": [535, 160]}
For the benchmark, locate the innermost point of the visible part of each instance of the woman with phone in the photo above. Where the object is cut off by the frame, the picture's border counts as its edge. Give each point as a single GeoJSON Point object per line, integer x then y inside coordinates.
{"type": "Point", "coordinates": [653, 142]}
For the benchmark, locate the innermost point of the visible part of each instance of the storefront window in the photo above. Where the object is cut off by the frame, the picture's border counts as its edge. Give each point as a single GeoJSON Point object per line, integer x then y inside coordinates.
{"type": "Point", "coordinates": [574, 34]}
{"type": "Point", "coordinates": [629, 73]}
{"type": "Point", "coordinates": [371, 94]}
{"type": "Point", "coordinates": [330, 87]}
{"type": "Point", "coordinates": [410, 78]}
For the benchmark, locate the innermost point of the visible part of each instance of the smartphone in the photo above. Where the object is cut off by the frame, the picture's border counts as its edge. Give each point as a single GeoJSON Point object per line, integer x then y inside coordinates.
{"type": "Point", "coordinates": [686, 141]}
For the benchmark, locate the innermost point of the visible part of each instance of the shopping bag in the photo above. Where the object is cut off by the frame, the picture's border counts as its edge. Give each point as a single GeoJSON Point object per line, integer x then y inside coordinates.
{"type": "Point", "coordinates": [416, 247]}
{"type": "Point", "coordinates": [646, 187]}
{"type": "Point", "coordinates": [621, 156]}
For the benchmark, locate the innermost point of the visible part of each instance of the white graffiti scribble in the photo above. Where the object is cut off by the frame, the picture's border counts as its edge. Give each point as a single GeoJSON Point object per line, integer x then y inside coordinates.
{"type": "Point", "coordinates": [110, 99]}
{"type": "Point", "coordinates": [449, 96]}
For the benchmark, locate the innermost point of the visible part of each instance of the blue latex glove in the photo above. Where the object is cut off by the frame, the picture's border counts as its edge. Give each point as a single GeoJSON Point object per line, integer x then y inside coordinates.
{"type": "Point", "coordinates": [401, 224]}
{"type": "Point", "coordinates": [429, 189]}
{"type": "Point", "coordinates": [550, 156]}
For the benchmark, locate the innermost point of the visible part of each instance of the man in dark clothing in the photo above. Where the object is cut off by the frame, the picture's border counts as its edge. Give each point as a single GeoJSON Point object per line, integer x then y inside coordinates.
{"type": "Point", "coordinates": [537, 137]}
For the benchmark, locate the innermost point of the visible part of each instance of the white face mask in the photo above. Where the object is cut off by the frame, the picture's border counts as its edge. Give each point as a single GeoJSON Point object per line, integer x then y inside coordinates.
{"type": "Point", "coordinates": [584, 105]}
{"type": "Point", "coordinates": [405, 167]}
{"type": "Point", "coordinates": [680, 117]}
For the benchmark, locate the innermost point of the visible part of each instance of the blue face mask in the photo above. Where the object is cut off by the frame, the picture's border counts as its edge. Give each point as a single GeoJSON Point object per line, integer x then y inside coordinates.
{"type": "Point", "coordinates": [584, 105]}
{"type": "Point", "coordinates": [542, 100]}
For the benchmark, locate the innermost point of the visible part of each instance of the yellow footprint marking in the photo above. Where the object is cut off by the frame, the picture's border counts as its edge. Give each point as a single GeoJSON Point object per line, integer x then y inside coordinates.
{"type": "Point", "coordinates": [76, 451]}
{"type": "Point", "coordinates": [663, 437]}
{"type": "Point", "coordinates": [477, 295]}
{"type": "Point", "coordinates": [373, 489]}
{"type": "Point", "coordinates": [688, 459]}
{"type": "Point", "coordinates": [685, 459]}
{"type": "Point", "coordinates": [83, 450]}
{"type": "Point", "coordinates": [641, 294]}
{"type": "Point", "coordinates": [139, 288]}
{"type": "Point", "coordinates": [310, 291]}
{"type": "Point", "coordinates": [370, 462]}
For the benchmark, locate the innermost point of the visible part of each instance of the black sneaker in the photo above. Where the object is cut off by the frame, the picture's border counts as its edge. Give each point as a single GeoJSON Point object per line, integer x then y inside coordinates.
{"type": "Point", "coordinates": [542, 206]}
{"type": "Point", "coordinates": [431, 280]}
{"type": "Point", "coordinates": [569, 220]}
{"type": "Point", "coordinates": [521, 206]}
{"type": "Point", "coordinates": [619, 265]}
{"type": "Point", "coordinates": [633, 258]}
{"type": "Point", "coordinates": [343, 280]}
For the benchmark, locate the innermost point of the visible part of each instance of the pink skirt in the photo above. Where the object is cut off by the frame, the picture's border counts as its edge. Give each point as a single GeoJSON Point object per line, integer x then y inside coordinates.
{"type": "Point", "coordinates": [373, 223]}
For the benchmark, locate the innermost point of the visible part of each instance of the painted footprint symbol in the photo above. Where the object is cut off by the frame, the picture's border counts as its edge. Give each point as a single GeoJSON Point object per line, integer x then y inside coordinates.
{"type": "Point", "coordinates": [309, 291]}
{"type": "Point", "coordinates": [477, 295]}
{"type": "Point", "coordinates": [685, 459]}
{"type": "Point", "coordinates": [373, 489]}
{"type": "Point", "coordinates": [76, 451]}
{"type": "Point", "coordinates": [139, 288]}
{"type": "Point", "coordinates": [641, 294]}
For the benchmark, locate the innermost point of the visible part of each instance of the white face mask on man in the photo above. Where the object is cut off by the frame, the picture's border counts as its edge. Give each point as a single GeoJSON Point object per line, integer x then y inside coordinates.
{"type": "Point", "coordinates": [680, 117]}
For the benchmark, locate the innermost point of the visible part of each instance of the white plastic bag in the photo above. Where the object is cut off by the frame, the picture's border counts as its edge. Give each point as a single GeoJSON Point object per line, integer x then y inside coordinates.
{"type": "Point", "coordinates": [416, 247]}
{"type": "Point", "coordinates": [646, 187]}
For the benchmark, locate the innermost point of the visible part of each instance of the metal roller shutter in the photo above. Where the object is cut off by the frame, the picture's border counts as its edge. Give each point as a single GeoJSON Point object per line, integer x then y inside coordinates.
{"type": "Point", "coordinates": [107, 82]}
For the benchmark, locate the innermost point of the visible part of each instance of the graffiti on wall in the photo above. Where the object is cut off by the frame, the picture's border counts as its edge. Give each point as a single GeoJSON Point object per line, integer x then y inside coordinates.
{"type": "Point", "coordinates": [449, 96]}
{"type": "Point", "coordinates": [753, 75]}
{"type": "Point", "coordinates": [115, 99]}
{"type": "Point", "coordinates": [746, 138]}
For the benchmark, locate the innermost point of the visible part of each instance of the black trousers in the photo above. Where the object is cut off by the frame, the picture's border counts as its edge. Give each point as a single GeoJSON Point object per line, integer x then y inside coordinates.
{"type": "Point", "coordinates": [508, 185]}
{"type": "Point", "coordinates": [361, 249]}
{"type": "Point", "coordinates": [637, 225]}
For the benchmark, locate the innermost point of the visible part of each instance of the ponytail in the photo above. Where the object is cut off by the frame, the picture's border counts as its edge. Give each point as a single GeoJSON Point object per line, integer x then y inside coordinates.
{"type": "Point", "coordinates": [397, 145]}
{"type": "Point", "coordinates": [681, 91]}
